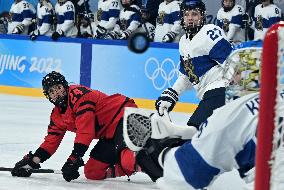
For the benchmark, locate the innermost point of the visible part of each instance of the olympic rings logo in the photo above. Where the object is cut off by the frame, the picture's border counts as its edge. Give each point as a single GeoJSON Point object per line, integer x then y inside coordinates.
{"type": "Point", "coordinates": [161, 74]}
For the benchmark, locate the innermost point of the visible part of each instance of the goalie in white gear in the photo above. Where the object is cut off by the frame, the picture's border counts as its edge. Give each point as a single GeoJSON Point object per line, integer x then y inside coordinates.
{"type": "Point", "coordinates": [203, 53]}
{"type": "Point", "coordinates": [227, 140]}
{"type": "Point", "coordinates": [168, 22]}
{"type": "Point", "coordinates": [45, 19]}
{"type": "Point", "coordinates": [230, 19]}
{"type": "Point", "coordinates": [65, 14]}
{"type": "Point", "coordinates": [22, 14]}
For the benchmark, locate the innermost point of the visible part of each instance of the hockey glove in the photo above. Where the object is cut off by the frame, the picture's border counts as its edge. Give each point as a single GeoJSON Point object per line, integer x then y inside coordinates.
{"type": "Point", "coordinates": [23, 167]}
{"type": "Point", "coordinates": [57, 34]}
{"type": "Point", "coordinates": [125, 35]}
{"type": "Point", "coordinates": [19, 29]}
{"type": "Point", "coordinates": [71, 167]}
{"type": "Point", "coordinates": [101, 31]}
{"type": "Point", "coordinates": [169, 37]}
{"type": "Point", "coordinates": [34, 35]}
{"type": "Point", "coordinates": [166, 101]}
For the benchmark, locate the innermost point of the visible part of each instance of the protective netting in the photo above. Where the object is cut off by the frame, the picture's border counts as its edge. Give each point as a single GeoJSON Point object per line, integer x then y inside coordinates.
{"type": "Point", "coordinates": [277, 155]}
{"type": "Point", "coordinates": [138, 129]}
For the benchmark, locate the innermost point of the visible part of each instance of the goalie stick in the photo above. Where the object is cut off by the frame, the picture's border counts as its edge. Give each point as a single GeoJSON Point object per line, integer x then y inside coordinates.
{"type": "Point", "coordinates": [139, 125]}
{"type": "Point", "coordinates": [34, 170]}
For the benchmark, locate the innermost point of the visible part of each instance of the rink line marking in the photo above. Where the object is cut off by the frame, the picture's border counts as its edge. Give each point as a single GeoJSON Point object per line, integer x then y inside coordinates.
{"type": "Point", "coordinates": [142, 103]}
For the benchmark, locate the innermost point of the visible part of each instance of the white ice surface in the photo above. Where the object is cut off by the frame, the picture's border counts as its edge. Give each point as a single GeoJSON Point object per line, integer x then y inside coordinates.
{"type": "Point", "coordinates": [23, 125]}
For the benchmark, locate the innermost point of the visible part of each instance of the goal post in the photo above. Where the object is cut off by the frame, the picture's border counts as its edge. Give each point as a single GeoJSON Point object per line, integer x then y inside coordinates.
{"type": "Point", "coordinates": [269, 141]}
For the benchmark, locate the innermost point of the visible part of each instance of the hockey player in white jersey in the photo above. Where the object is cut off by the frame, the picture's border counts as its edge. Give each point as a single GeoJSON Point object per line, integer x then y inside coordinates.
{"type": "Point", "coordinates": [45, 21]}
{"type": "Point", "coordinates": [129, 19]}
{"type": "Point", "coordinates": [265, 15]}
{"type": "Point", "coordinates": [203, 52]}
{"type": "Point", "coordinates": [65, 14]}
{"type": "Point", "coordinates": [22, 14]}
{"type": "Point", "coordinates": [107, 16]}
{"type": "Point", "coordinates": [227, 141]}
{"type": "Point", "coordinates": [168, 22]}
{"type": "Point", "coordinates": [230, 19]}
{"type": "Point", "coordinates": [146, 27]}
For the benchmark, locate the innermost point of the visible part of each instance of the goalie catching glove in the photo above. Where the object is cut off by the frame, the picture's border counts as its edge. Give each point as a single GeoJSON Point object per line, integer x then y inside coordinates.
{"type": "Point", "coordinates": [166, 101]}
{"type": "Point", "coordinates": [23, 167]}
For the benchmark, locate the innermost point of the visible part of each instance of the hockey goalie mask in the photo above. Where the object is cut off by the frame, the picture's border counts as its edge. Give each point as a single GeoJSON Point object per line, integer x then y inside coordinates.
{"type": "Point", "coordinates": [228, 5]}
{"type": "Point", "coordinates": [55, 89]}
{"type": "Point", "coordinates": [193, 16]}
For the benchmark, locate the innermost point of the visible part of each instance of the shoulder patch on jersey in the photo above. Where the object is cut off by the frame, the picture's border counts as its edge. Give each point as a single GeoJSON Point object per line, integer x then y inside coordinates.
{"type": "Point", "coordinates": [76, 93]}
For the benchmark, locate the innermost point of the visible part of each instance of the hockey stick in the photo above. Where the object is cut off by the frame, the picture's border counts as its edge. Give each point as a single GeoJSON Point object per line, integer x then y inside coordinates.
{"type": "Point", "coordinates": [140, 125]}
{"type": "Point", "coordinates": [2, 169]}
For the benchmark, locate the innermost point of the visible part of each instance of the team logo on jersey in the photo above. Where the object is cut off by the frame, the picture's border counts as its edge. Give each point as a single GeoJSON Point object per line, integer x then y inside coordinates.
{"type": "Point", "coordinates": [123, 24]}
{"type": "Point", "coordinates": [162, 74]}
{"type": "Point", "coordinates": [160, 18]}
{"type": "Point", "coordinates": [189, 69]}
{"type": "Point", "coordinates": [99, 14]}
{"type": "Point", "coordinates": [259, 25]}
{"type": "Point", "coordinates": [226, 23]}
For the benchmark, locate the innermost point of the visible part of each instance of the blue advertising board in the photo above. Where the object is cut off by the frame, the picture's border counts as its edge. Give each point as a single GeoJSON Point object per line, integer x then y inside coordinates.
{"type": "Point", "coordinates": [23, 63]}
{"type": "Point", "coordinates": [117, 70]}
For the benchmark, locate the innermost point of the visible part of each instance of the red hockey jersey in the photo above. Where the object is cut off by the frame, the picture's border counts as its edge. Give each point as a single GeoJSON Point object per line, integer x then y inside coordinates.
{"type": "Point", "coordinates": [90, 114]}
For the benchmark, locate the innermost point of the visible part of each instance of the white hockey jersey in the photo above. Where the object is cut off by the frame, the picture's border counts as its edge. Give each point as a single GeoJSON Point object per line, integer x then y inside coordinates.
{"type": "Point", "coordinates": [45, 18]}
{"type": "Point", "coordinates": [168, 20]}
{"type": "Point", "coordinates": [66, 19]}
{"type": "Point", "coordinates": [226, 141]}
{"type": "Point", "coordinates": [108, 13]}
{"type": "Point", "coordinates": [129, 19]}
{"type": "Point", "coordinates": [203, 61]}
{"type": "Point", "coordinates": [232, 23]}
{"type": "Point", "coordinates": [22, 13]}
{"type": "Point", "coordinates": [264, 17]}
{"type": "Point", "coordinates": [147, 27]}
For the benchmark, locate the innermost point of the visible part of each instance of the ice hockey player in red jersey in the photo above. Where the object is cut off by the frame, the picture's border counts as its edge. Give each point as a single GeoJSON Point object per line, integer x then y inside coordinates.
{"type": "Point", "coordinates": [90, 114]}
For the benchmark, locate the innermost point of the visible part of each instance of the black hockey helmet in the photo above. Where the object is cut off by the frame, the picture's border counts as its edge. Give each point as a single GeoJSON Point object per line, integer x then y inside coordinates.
{"type": "Point", "coordinates": [227, 9]}
{"type": "Point", "coordinates": [190, 5]}
{"type": "Point", "coordinates": [50, 80]}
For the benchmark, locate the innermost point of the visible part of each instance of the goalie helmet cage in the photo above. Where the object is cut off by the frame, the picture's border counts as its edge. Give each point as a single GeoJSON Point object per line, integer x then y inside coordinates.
{"type": "Point", "coordinates": [269, 169]}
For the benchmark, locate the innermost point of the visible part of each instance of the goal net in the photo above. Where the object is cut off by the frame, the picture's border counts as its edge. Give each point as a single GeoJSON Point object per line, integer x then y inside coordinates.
{"type": "Point", "coordinates": [270, 134]}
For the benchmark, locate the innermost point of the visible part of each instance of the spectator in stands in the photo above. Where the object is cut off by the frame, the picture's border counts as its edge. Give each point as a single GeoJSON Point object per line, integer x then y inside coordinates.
{"type": "Point", "coordinates": [265, 15]}
{"type": "Point", "coordinates": [65, 14]}
{"type": "Point", "coordinates": [45, 18]}
{"type": "Point", "coordinates": [230, 19]}
{"type": "Point", "coordinates": [168, 26]}
{"type": "Point", "coordinates": [107, 16]}
{"type": "Point", "coordinates": [22, 14]}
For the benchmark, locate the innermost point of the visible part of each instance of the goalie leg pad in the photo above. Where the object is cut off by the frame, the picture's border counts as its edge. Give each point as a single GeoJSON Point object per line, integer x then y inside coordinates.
{"type": "Point", "coordinates": [149, 165]}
